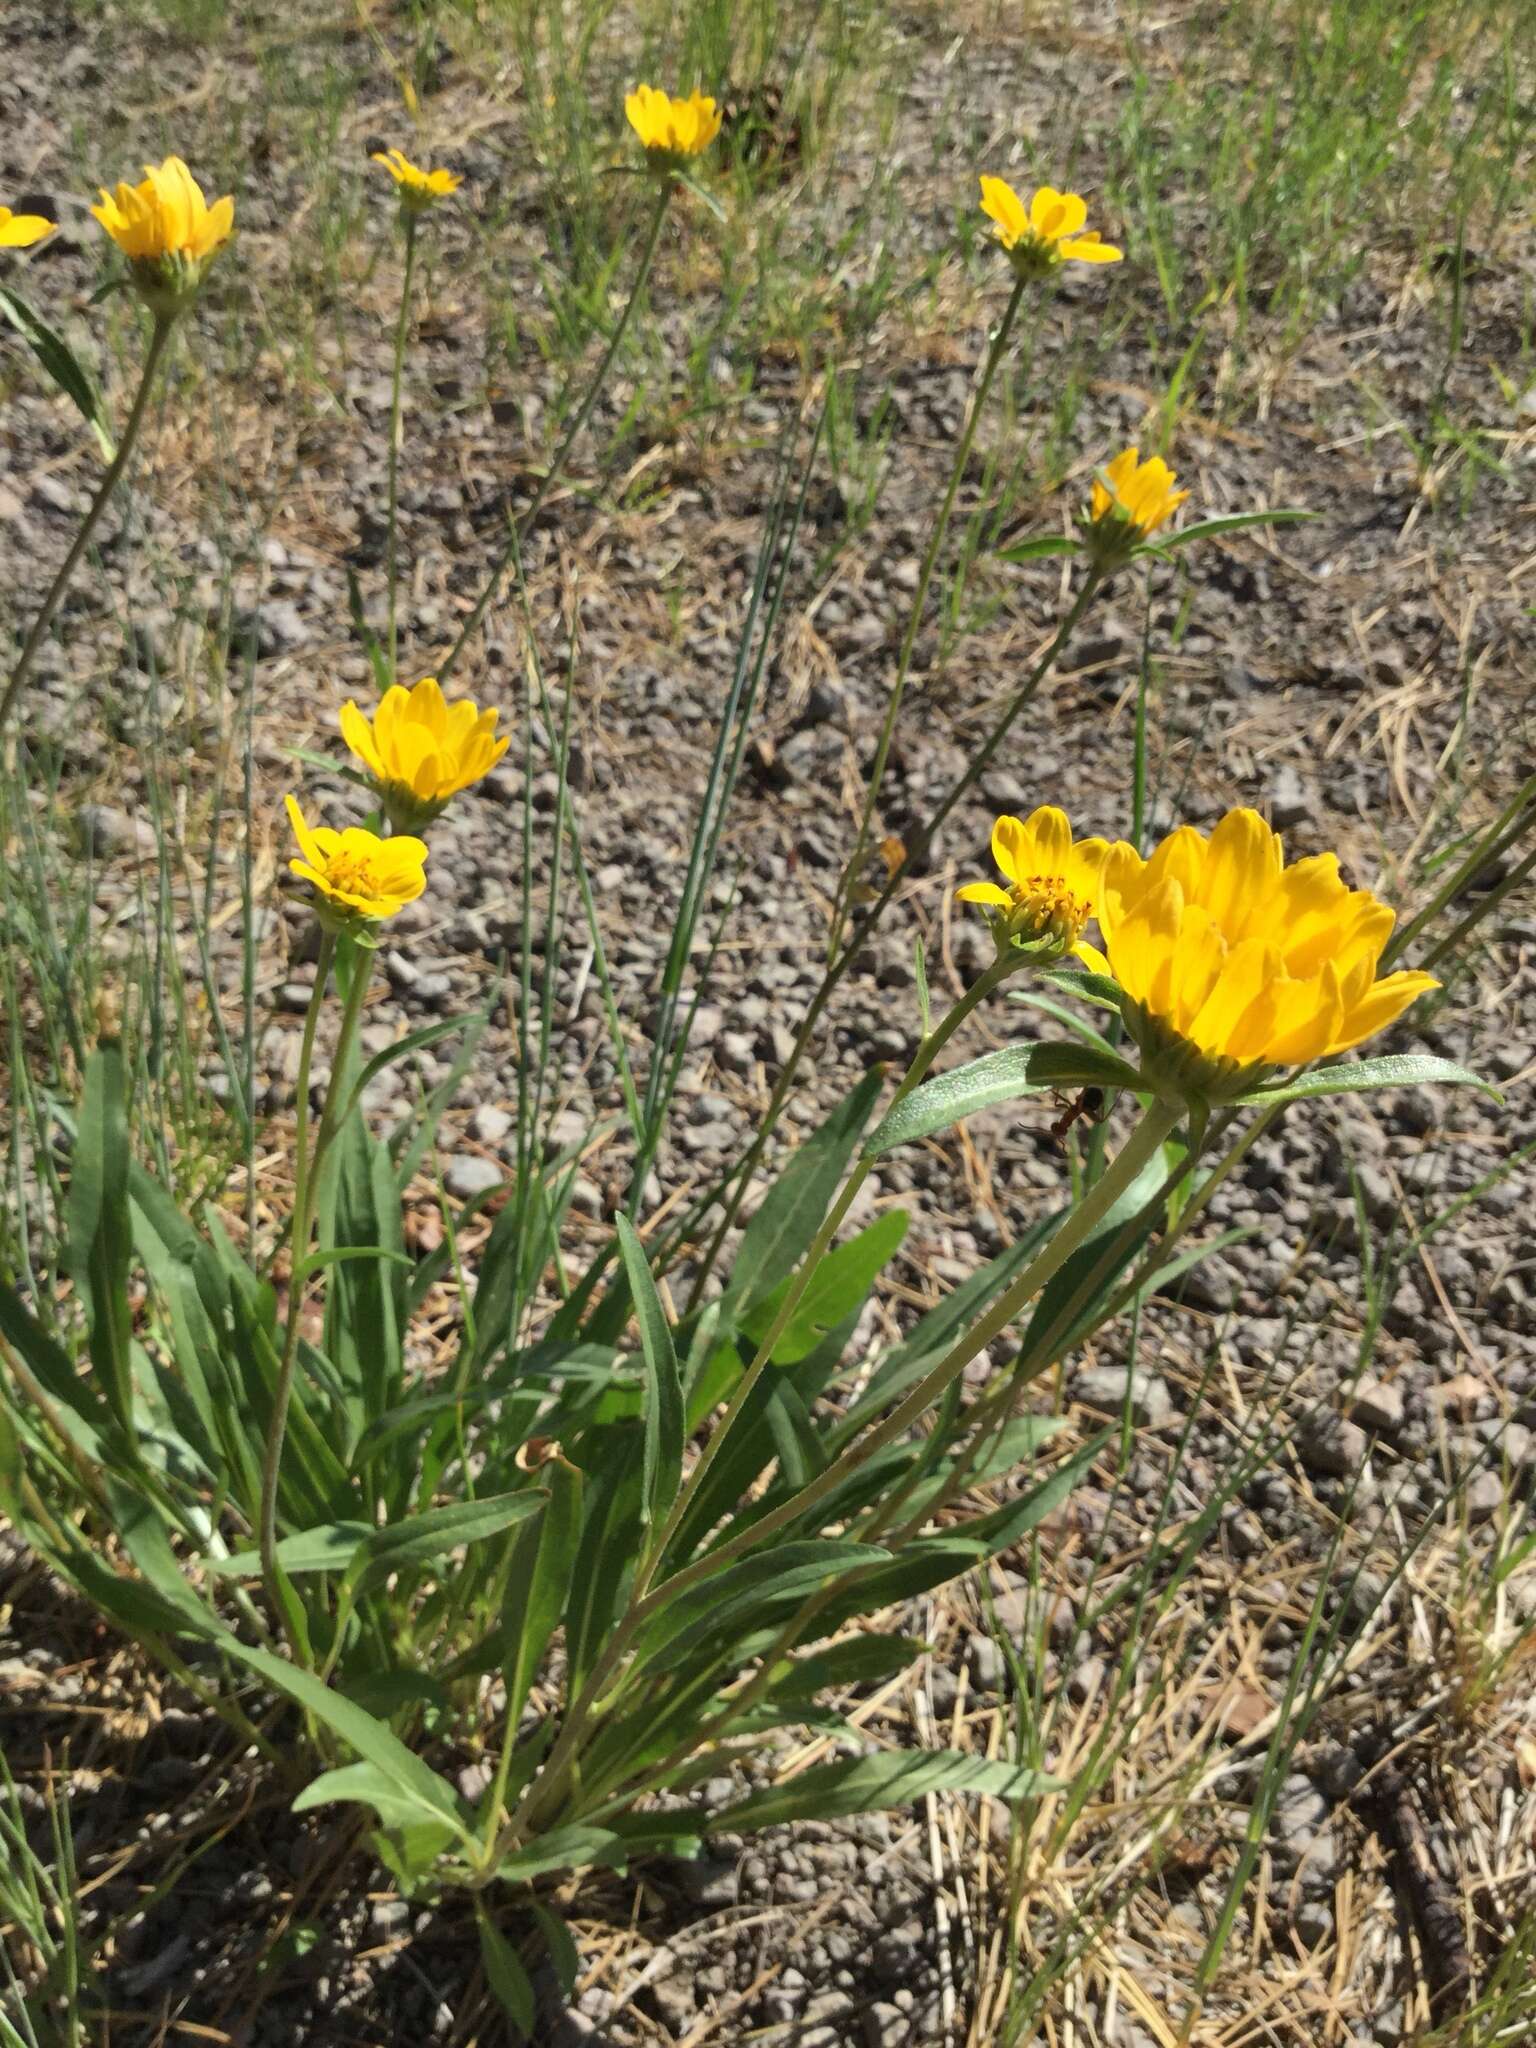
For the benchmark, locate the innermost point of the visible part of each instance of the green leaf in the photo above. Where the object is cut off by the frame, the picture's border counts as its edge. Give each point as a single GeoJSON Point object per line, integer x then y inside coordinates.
{"type": "Point", "coordinates": [507, 1977]}
{"type": "Point", "coordinates": [62, 365]}
{"type": "Point", "coordinates": [1393, 1070]}
{"type": "Point", "coordinates": [415, 1789]}
{"type": "Point", "coordinates": [663, 1382]}
{"type": "Point", "coordinates": [420, 1539]}
{"type": "Point", "coordinates": [328, 1548]}
{"type": "Point", "coordinates": [1004, 1076]}
{"type": "Point", "coordinates": [1043, 544]}
{"type": "Point", "coordinates": [369, 1786]}
{"type": "Point", "coordinates": [792, 1210]}
{"type": "Point", "coordinates": [836, 1289]}
{"type": "Point", "coordinates": [746, 1594]}
{"type": "Point", "coordinates": [414, 1041]}
{"type": "Point", "coordinates": [538, 1584]}
{"type": "Point", "coordinates": [1088, 987]}
{"type": "Point", "coordinates": [873, 1783]}
{"type": "Point", "coordinates": [100, 1236]}
{"type": "Point", "coordinates": [1204, 529]}
{"type": "Point", "coordinates": [571, 1848]}
{"type": "Point", "coordinates": [563, 1953]}
{"type": "Point", "coordinates": [863, 1659]}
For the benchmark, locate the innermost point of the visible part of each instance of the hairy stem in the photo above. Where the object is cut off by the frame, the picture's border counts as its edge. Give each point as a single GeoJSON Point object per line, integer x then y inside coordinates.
{"type": "Point", "coordinates": [916, 849]}
{"type": "Point", "coordinates": [125, 447]}
{"type": "Point", "coordinates": [521, 526]}
{"type": "Point", "coordinates": [401, 330]}
{"type": "Point", "coordinates": [919, 601]}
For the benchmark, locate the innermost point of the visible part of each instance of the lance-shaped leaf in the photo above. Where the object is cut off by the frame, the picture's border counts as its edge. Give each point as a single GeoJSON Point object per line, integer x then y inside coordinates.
{"type": "Point", "coordinates": [1042, 544]}
{"type": "Point", "coordinates": [1392, 1070]}
{"type": "Point", "coordinates": [1004, 1076]}
{"type": "Point", "coordinates": [62, 365]}
{"type": "Point", "coordinates": [1205, 529]}
{"type": "Point", "coordinates": [663, 1382]}
{"type": "Point", "coordinates": [835, 1290]}
{"type": "Point", "coordinates": [872, 1783]}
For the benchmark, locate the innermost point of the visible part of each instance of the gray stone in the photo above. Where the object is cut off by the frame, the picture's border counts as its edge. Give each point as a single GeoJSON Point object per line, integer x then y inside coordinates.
{"type": "Point", "coordinates": [105, 832]}
{"type": "Point", "coordinates": [1331, 1446]}
{"type": "Point", "coordinates": [1379, 1405]}
{"type": "Point", "coordinates": [489, 1125]}
{"type": "Point", "coordinates": [468, 1175]}
{"type": "Point", "coordinates": [1106, 1386]}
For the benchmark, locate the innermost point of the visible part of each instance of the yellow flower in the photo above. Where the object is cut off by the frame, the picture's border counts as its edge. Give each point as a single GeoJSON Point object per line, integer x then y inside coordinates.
{"type": "Point", "coordinates": [355, 874]}
{"type": "Point", "coordinates": [421, 750]}
{"type": "Point", "coordinates": [672, 128]}
{"type": "Point", "coordinates": [21, 230]}
{"type": "Point", "coordinates": [1046, 234]}
{"type": "Point", "coordinates": [1053, 886]}
{"type": "Point", "coordinates": [1232, 963]}
{"type": "Point", "coordinates": [419, 189]}
{"type": "Point", "coordinates": [167, 230]}
{"type": "Point", "coordinates": [1131, 499]}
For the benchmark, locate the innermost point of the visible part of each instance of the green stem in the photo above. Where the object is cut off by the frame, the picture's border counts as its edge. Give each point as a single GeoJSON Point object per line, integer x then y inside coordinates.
{"type": "Point", "coordinates": [1504, 833]}
{"type": "Point", "coordinates": [401, 330]}
{"type": "Point", "coordinates": [915, 851]}
{"type": "Point", "coordinates": [922, 1060]}
{"type": "Point", "coordinates": [584, 412]}
{"type": "Point", "coordinates": [1157, 1121]}
{"type": "Point", "coordinates": [298, 1248]}
{"type": "Point", "coordinates": [104, 490]}
{"type": "Point", "coordinates": [919, 600]}
{"type": "Point", "coordinates": [306, 1184]}
{"type": "Point", "coordinates": [1515, 879]}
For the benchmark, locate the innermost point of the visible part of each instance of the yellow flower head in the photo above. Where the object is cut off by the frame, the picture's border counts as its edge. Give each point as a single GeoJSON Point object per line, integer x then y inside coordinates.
{"type": "Point", "coordinates": [167, 230]}
{"type": "Point", "coordinates": [355, 874]}
{"type": "Point", "coordinates": [1053, 886]}
{"type": "Point", "coordinates": [1049, 232]}
{"type": "Point", "coordinates": [419, 189]}
{"type": "Point", "coordinates": [21, 230]}
{"type": "Point", "coordinates": [422, 750]}
{"type": "Point", "coordinates": [1231, 963]}
{"type": "Point", "coordinates": [1131, 499]}
{"type": "Point", "coordinates": [672, 128]}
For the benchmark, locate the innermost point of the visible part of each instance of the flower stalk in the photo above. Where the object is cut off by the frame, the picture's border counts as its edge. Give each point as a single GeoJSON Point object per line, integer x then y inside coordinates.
{"type": "Point", "coordinates": [521, 526]}
{"type": "Point", "coordinates": [930, 559]}
{"type": "Point", "coordinates": [306, 1187]}
{"type": "Point", "coordinates": [409, 216]}
{"type": "Point", "coordinates": [160, 334]}
{"type": "Point", "coordinates": [1158, 1120]}
{"type": "Point", "coordinates": [915, 850]}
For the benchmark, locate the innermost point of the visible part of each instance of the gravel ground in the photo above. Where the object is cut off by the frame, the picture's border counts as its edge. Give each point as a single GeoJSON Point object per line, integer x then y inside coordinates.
{"type": "Point", "coordinates": [1352, 677]}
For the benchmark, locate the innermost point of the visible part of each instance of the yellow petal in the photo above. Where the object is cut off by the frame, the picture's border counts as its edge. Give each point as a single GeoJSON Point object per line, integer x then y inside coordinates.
{"type": "Point", "coordinates": [1242, 863]}
{"type": "Point", "coordinates": [1011, 848]}
{"type": "Point", "coordinates": [1002, 204]}
{"type": "Point", "coordinates": [1050, 840]}
{"type": "Point", "coordinates": [1089, 249]}
{"type": "Point", "coordinates": [1384, 1003]}
{"type": "Point", "coordinates": [984, 892]}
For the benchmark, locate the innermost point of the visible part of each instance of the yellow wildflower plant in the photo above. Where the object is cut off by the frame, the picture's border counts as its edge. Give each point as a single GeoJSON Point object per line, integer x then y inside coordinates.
{"type": "Point", "coordinates": [671, 128]}
{"type": "Point", "coordinates": [1053, 887]}
{"type": "Point", "coordinates": [419, 189]}
{"type": "Point", "coordinates": [420, 750]}
{"type": "Point", "coordinates": [356, 876]}
{"type": "Point", "coordinates": [21, 230]}
{"type": "Point", "coordinates": [1050, 231]}
{"type": "Point", "coordinates": [1231, 963]}
{"type": "Point", "coordinates": [1130, 500]}
{"type": "Point", "coordinates": [168, 232]}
